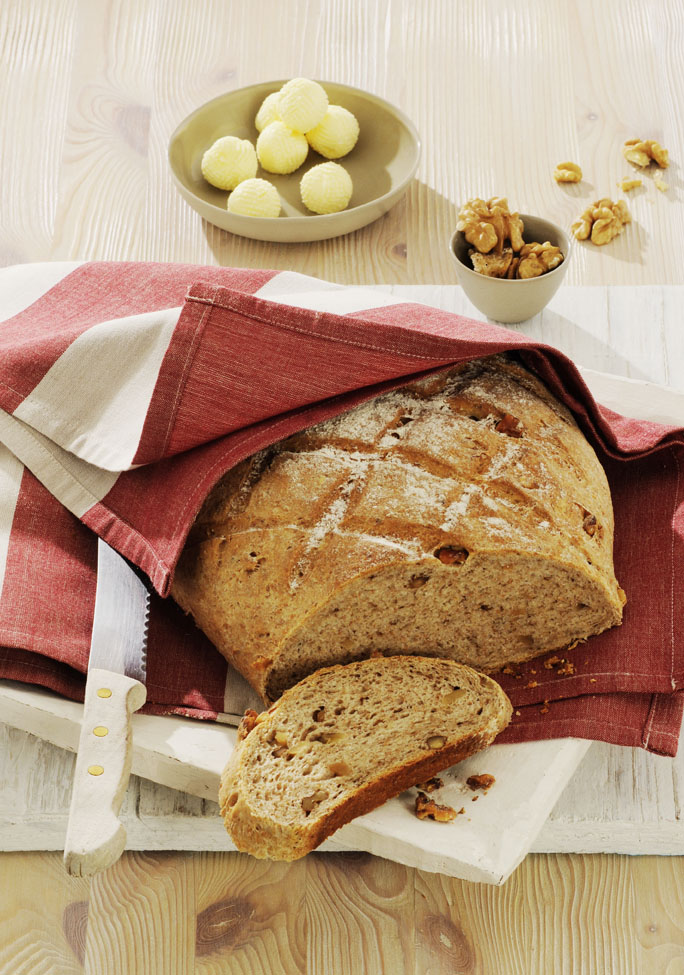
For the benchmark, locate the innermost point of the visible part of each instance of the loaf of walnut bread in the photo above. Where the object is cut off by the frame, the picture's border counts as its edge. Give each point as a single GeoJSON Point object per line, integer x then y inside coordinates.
{"type": "Point", "coordinates": [347, 738]}
{"type": "Point", "coordinates": [462, 516]}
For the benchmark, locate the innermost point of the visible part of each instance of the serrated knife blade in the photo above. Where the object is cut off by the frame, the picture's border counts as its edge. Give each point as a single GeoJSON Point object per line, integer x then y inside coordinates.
{"type": "Point", "coordinates": [121, 617]}
{"type": "Point", "coordinates": [115, 688]}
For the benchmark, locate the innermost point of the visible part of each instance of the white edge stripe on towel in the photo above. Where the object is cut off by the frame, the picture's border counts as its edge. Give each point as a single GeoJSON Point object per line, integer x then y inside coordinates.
{"type": "Point", "coordinates": [94, 399]}
{"type": "Point", "coordinates": [11, 473]}
{"type": "Point", "coordinates": [237, 697]}
{"type": "Point", "coordinates": [23, 284]}
{"type": "Point", "coordinates": [637, 398]}
{"type": "Point", "coordinates": [75, 483]}
{"type": "Point", "coordinates": [302, 291]}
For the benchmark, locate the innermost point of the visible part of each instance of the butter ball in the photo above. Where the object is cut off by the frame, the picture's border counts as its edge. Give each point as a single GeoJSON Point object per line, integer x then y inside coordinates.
{"type": "Point", "coordinates": [326, 188]}
{"type": "Point", "coordinates": [280, 149]}
{"type": "Point", "coordinates": [228, 162]}
{"type": "Point", "coordinates": [268, 112]}
{"type": "Point", "coordinates": [336, 135]}
{"type": "Point", "coordinates": [254, 198]}
{"type": "Point", "coordinates": [303, 104]}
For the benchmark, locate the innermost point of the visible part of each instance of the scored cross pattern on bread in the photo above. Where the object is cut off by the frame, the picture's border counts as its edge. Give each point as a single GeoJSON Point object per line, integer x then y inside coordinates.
{"type": "Point", "coordinates": [462, 516]}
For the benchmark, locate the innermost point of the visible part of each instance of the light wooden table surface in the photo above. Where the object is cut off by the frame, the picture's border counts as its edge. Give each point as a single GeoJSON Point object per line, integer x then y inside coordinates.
{"type": "Point", "coordinates": [90, 91]}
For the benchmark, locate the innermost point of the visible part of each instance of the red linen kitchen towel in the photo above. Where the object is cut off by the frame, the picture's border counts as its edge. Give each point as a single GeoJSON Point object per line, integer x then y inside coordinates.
{"type": "Point", "coordinates": [126, 390]}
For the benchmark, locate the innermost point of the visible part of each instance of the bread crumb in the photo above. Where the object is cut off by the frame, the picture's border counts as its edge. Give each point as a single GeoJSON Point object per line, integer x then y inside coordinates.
{"type": "Point", "coordinates": [429, 809]}
{"type": "Point", "coordinates": [434, 783]}
{"type": "Point", "coordinates": [475, 798]}
{"type": "Point", "coordinates": [517, 714]}
{"type": "Point", "coordinates": [532, 683]}
{"type": "Point", "coordinates": [562, 666]}
{"type": "Point", "coordinates": [592, 680]}
{"type": "Point", "coordinates": [545, 709]}
{"type": "Point", "coordinates": [483, 781]}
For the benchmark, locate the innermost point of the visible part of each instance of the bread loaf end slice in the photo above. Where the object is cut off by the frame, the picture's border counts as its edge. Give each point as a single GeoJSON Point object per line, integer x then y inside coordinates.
{"type": "Point", "coordinates": [346, 739]}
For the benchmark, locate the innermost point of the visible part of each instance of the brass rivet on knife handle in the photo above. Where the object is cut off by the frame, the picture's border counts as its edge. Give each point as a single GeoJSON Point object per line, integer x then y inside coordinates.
{"type": "Point", "coordinates": [100, 731]}
{"type": "Point", "coordinates": [95, 769]}
{"type": "Point", "coordinates": [104, 692]}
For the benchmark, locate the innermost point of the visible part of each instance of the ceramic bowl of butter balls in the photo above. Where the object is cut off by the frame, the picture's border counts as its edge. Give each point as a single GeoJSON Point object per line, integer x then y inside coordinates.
{"type": "Point", "coordinates": [294, 160]}
{"type": "Point", "coordinates": [509, 264]}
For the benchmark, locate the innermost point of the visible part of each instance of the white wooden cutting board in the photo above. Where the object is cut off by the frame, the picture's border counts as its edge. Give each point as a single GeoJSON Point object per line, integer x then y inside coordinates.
{"type": "Point", "coordinates": [485, 843]}
{"type": "Point", "coordinates": [495, 832]}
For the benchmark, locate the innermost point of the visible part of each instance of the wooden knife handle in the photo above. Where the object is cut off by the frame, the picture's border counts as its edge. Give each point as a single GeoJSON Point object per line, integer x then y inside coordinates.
{"type": "Point", "coordinates": [95, 837]}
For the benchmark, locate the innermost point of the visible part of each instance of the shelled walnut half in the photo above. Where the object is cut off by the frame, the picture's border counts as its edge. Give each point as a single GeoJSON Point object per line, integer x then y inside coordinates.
{"type": "Point", "coordinates": [602, 221]}
{"type": "Point", "coordinates": [488, 224]}
{"type": "Point", "coordinates": [536, 259]}
{"type": "Point", "coordinates": [567, 172]}
{"type": "Point", "coordinates": [640, 152]}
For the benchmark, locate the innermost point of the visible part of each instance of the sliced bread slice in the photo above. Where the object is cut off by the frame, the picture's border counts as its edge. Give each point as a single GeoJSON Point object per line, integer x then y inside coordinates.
{"type": "Point", "coordinates": [347, 738]}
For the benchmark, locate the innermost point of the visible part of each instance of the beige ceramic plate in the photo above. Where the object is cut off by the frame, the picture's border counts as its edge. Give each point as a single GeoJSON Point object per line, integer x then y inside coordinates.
{"type": "Point", "coordinates": [381, 165]}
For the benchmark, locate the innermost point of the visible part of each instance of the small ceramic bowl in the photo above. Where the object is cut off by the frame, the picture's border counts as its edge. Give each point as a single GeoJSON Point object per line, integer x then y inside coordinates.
{"type": "Point", "coordinates": [515, 300]}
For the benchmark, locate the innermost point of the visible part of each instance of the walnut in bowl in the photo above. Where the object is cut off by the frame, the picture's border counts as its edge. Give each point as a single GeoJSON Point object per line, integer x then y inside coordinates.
{"type": "Point", "coordinates": [521, 272]}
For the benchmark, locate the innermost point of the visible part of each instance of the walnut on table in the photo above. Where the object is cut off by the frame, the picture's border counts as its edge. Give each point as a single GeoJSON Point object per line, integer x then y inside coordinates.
{"type": "Point", "coordinates": [602, 221]}
{"type": "Point", "coordinates": [567, 172]}
{"type": "Point", "coordinates": [641, 152]}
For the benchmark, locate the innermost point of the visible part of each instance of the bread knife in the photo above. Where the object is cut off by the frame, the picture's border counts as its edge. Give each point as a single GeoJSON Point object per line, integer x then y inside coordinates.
{"type": "Point", "coordinates": [115, 688]}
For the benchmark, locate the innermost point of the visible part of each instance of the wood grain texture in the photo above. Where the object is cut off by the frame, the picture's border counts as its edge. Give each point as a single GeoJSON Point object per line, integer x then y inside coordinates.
{"type": "Point", "coordinates": [43, 916]}
{"type": "Point", "coordinates": [250, 914]}
{"type": "Point", "coordinates": [141, 917]}
{"type": "Point", "coordinates": [340, 913]}
{"type": "Point", "coordinates": [358, 909]}
{"type": "Point", "coordinates": [499, 92]}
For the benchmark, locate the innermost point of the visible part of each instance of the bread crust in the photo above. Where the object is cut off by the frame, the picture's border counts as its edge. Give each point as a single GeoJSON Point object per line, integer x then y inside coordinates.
{"type": "Point", "coordinates": [297, 547]}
